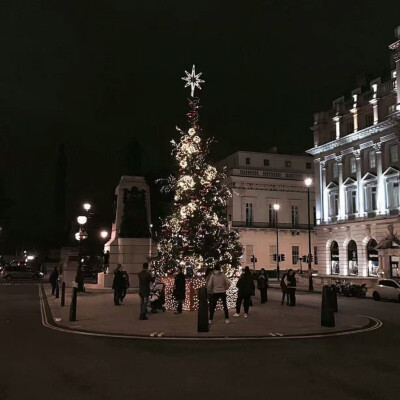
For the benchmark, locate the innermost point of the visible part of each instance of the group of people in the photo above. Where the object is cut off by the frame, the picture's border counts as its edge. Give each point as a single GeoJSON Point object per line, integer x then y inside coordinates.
{"type": "Point", "coordinates": [217, 285]}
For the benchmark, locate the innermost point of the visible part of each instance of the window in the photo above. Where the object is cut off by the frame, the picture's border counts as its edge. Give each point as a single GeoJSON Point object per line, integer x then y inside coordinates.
{"type": "Point", "coordinates": [353, 165]}
{"type": "Point", "coordinates": [295, 255]}
{"type": "Point", "coordinates": [335, 170]}
{"type": "Point", "coordinates": [272, 251]}
{"type": "Point", "coordinates": [266, 163]}
{"type": "Point", "coordinates": [247, 161]}
{"type": "Point", "coordinates": [288, 164]}
{"type": "Point", "coordinates": [373, 258]}
{"type": "Point", "coordinates": [272, 215]}
{"type": "Point", "coordinates": [370, 197]}
{"type": "Point", "coordinates": [369, 120]}
{"type": "Point", "coordinates": [392, 109]}
{"type": "Point", "coordinates": [335, 268]}
{"type": "Point", "coordinates": [393, 153]}
{"type": "Point", "coordinates": [372, 159]}
{"type": "Point", "coordinates": [352, 257]}
{"type": "Point", "coordinates": [308, 165]}
{"type": "Point", "coordinates": [295, 216]}
{"type": "Point", "coordinates": [315, 255]}
{"type": "Point", "coordinates": [350, 127]}
{"type": "Point", "coordinates": [351, 200]}
{"type": "Point", "coordinates": [249, 213]}
{"type": "Point", "coordinates": [249, 253]}
{"type": "Point", "coordinates": [392, 193]}
{"type": "Point", "coordinates": [333, 203]}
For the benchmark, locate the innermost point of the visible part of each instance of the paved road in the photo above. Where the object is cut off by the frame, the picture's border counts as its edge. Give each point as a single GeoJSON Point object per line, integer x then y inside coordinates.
{"type": "Point", "coordinates": [38, 363]}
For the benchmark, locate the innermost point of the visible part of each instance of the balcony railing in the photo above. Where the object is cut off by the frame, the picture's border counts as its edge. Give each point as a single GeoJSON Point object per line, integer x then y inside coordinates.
{"type": "Point", "coordinates": [266, 225]}
{"type": "Point", "coordinates": [271, 174]}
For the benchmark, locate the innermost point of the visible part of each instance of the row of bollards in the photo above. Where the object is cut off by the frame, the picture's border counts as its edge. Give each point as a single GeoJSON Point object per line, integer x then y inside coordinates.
{"type": "Point", "coordinates": [329, 306]}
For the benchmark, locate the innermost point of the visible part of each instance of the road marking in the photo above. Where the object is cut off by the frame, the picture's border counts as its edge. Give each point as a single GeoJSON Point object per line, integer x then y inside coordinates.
{"type": "Point", "coordinates": [161, 334]}
{"type": "Point", "coordinates": [377, 324]}
{"type": "Point", "coordinates": [152, 334]}
{"type": "Point", "coordinates": [279, 334]}
{"type": "Point", "coordinates": [272, 334]}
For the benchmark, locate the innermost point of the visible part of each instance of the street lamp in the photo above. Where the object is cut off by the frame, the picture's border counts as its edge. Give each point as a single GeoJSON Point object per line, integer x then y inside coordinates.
{"type": "Point", "coordinates": [308, 183]}
{"type": "Point", "coordinates": [104, 234]}
{"type": "Point", "coordinates": [276, 208]}
{"type": "Point", "coordinates": [87, 206]}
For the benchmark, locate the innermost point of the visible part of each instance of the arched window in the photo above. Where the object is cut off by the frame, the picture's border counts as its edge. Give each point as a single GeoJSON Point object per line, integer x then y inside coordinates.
{"type": "Point", "coordinates": [335, 258]}
{"type": "Point", "coordinates": [372, 258]}
{"type": "Point", "coordinates": [352, 257]}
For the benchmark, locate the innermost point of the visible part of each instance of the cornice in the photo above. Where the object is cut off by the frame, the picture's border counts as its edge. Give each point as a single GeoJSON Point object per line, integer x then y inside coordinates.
{"type": "Point", "coordinates": [393, 120]}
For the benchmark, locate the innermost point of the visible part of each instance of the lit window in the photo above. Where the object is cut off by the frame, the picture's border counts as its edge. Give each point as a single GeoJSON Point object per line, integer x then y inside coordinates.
{"type": "Point", "coordinates": [351, 200]}
{"type": "Point", "coordinates": [249, 213]}
{"type": "Point", "coordinates": [370, 197]}
{"type": "Point", "coordinates": [288, 164]}
{"type": "Point", "coordinates": [295, 216]}
{"type": "Point", "coordinates": [335, 170]}
{"type": "Point", "coordinates": [392, 191]}
{"type": "Point", "coordinates": [333, 203]}
{"type": "Point", "coordinates": [372, 159]}
{"type": "Point", "coordinates": [394, 153]}
{"type": "Point", "coordinates": [247, 161]}
{"type": "Point", "coordinates": [353, 165]}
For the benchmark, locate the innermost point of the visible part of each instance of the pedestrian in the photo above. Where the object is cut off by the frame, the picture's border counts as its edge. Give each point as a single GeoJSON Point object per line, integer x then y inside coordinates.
{"type": "Point", "coordinates": [262, 285]}
{"type": "Point", "coordinates": [179, 289]}
{"type": "Point", "coordinates": [53, 279]}
{"type": "Point", "coordinates": [208, 274]}
{"type": "Point", "coordinates": [285, 293]}
{"type": "Point", "coordinates": [144, 289]}
{"type": "Point", "coordinates": [80, 279]}
{"type": "Point", "coordinates": [125, 285]}
{"type": "Point", "coordinates": [106, 260]}
{"type": "Point", "coordinates": [291, 287]}
{"type": "Point", "coordinates": [246, 288]}
{"type": "Point", "coordinates": [218, 285]}
{"type": "Point", "coordinates": [118, 284]}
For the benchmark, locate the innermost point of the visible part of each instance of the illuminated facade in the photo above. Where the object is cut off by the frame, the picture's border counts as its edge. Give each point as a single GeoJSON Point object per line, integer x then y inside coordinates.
{"type": "Point", "coordinates": [258, 181]}
{"type": "Point", "coordinates": [356, 155]}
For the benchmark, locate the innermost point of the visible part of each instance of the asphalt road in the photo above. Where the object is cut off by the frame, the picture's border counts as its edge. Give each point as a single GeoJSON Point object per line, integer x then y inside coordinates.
{"type": "Point", "coordinates": [39, 363]}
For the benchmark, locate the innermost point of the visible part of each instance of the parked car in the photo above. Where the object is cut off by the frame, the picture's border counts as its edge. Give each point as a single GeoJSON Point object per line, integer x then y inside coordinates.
{"type": "Point", "coordinates": [386, 289]}
{"type": "Point", "coordinates": [20, 272]}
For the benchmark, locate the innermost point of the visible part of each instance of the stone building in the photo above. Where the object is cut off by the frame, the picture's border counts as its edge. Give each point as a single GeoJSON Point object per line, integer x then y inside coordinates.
{"type": "Point", "coordinates": [357, 166]}
{"type": "Point", "coordinates": [258, 181]}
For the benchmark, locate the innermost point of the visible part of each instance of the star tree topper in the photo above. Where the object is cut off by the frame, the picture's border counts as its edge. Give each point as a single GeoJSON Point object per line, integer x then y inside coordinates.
{"type": "Point", "coordinates": [193, 80]}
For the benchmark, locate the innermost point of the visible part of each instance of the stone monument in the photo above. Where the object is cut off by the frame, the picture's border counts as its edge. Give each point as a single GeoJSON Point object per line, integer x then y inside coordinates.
{"type": "Point", "coordinates": [130, 243]}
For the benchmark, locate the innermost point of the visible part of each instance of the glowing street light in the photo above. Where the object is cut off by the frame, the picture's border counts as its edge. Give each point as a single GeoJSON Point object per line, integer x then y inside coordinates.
{"type": "Point", "coordinates": [308, 183]}
{"type": "Point", "coordinates": [278, 256]}
{"type": "Point", "coordinates": [82, 220]}
{"type": "Point", "coordinates": [277, 207]}
{"type": "Point", "coordinates": [87, 207]}
{"type": "Point", "coordinates": [104, 234]}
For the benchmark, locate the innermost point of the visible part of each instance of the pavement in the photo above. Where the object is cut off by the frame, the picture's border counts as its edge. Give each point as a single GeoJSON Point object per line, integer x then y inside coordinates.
{"type": "Point", "coordinates": [96, 313]}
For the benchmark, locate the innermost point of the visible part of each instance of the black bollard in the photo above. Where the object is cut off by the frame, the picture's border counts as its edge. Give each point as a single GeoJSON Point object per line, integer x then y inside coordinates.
{"type": "Point", "coordinates": [63, 294]}
{"type": "Point", "coordinates": [72, 309]}
{"type": "Point", "coordinates": [202, 314]}
{"type": "Point", "coordinates": [327, 314]}
{"type": "Point", "coordinates": [333, 298]}
{"type": "Point", "coordinates": [57, 290]}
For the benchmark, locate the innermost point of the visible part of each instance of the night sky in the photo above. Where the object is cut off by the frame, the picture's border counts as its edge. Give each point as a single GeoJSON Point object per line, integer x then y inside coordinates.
{"type": "Point", "coordinates": [102, 76]}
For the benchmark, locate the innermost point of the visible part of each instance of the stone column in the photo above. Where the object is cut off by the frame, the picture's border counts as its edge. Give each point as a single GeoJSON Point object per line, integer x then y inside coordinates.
{"type": "Point", "coordinates": [381, 187]}
{"type": "Point", "coordinates": [354, 111]}
{"type": "Point", "coordinates": [360, 186]}
{"type": "Point", "coordinates": [342, 203]}
{"type": "Point", "coordinates": [336, 119]}
{"type": "Point", "coordinates": [324, 191]}
{"type": "Point", "coordinates": [318, 193]}
{"type": "Point", "coordinates": [374, 102]}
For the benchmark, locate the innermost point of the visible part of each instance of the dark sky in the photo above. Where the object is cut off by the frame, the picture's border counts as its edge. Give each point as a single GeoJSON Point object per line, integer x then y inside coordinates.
{"type": "Point", "coordinates": [96, 75]}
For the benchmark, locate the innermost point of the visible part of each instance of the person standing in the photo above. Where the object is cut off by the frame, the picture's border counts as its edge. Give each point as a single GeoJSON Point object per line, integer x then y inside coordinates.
{"type": "Point", "coordinates": [208, 274]}
{"type": "Point", "coordinates": [53, 279]}
{"type": "Point", "coordinates": [284, 288]}
{"type": "Point", "coordinates": [179, 289]}
{"type": "Point", "coordinates": [106, 260]}
{"type": "Point", "coordinates": [291, 287]}
{"type": "Point", "coordinates": [144, 289]}
{"type": "Point", "coordinates": [262, 285]}
{"type": "Point", "coordinates": [125, 285]}
{"type": "Point", "coordinates": [218, 285]}
{"type": "Point", "coordinates": [80, 279]}
{"type": "Point", "coordinates": [246, 288]}
{"type": "Point", "coordinates": [118, 283]}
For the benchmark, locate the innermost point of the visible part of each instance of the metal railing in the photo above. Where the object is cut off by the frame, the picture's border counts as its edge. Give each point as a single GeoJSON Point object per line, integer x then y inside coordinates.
{"type": "Point", "coordinates": [266, 225]}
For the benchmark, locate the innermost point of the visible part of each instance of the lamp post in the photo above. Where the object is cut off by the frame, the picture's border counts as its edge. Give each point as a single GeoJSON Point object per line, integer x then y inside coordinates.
{"type": "Point", "coordinates": [276, 208]}
{"type": "Point", "coordinates": [81, 235]}
{"type": "Point", "coordinates": [104, 234]}
{"type": "Point", "coordinates": [308, 183]}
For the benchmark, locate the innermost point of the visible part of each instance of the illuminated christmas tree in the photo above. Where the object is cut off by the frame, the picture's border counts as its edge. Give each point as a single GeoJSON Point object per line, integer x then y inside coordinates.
{"type": "Point", "coordinates": [196, 235]}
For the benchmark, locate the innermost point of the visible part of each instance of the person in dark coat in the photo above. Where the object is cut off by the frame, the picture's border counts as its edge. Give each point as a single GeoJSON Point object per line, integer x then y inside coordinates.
{"type": "Point", "coordinates": [209, 294]}
{"type": "Point", "coordinates": [125, 285]}
{"type": "Point", "coordinates": [80, 279]}
{"type": "Point", "coordinates": [291, 287]}
{"type": "Point", "coordinates": [144, 289]}
{"type": "Point", "coordinates": [262, 285]}
{"type": "Point", "coordinates": [53, 279]}
{"type": "Point", "coordinates": [118, 284]}
{"type": "Point", "coordinates": [179, 289]}
{"type": "Point", "coordinates": [284, 289]}
{"type": "Point", "coordinates": [246, 288]}
{"type": "Point", "coordinates": [106, 260]}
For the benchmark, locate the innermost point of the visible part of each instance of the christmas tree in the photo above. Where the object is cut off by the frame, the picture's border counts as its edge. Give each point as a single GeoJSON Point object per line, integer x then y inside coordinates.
{"type": "Point", "coordinates": [196, 235]}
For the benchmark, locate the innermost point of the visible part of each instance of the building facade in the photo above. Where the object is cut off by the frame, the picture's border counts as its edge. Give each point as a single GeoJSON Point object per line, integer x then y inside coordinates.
{"type": "Point", "coordinates": [357, 164]}
{"type": "Point", "coordinates": [258, 181]}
